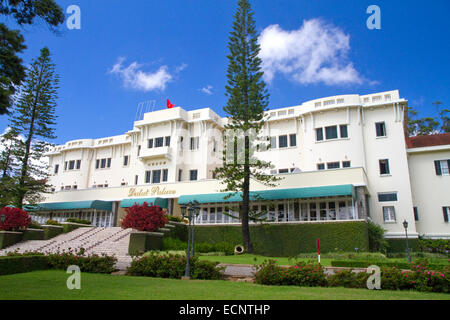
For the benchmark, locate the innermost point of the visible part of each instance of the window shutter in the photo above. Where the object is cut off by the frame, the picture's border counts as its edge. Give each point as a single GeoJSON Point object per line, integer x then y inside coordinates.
{"type": "Point", "coordinates": [437, 166]}
{"type": "Point", "coordinates": [445, 211]}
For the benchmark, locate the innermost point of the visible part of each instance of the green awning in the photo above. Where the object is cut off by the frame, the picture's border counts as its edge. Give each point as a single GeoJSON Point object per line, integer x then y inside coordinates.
{"type": "Point", "coordinates": [277, 194]}
{"type": "Point", "coordinates": [75, 205]}
{"type": "Point", "coordinates": [162, 202]}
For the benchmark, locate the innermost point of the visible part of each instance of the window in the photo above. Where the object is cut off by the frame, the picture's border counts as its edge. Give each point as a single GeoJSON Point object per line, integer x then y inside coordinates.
{"type": "Point", "coordinates": [333, 165]}
{"type": "Point", "coordinates": [321, 166]}
{"type": "Point", "coordinates": [125, 161]}
{"type": "Point", "coordinates": [214, 145]}
{"type": "Point", "coordinates": [136, 179]}
{"type": "Point", "coordinates": [65, 165]}
{"type": "Point", "coordinates": [71, 164]}
{"type": "Point", "coordinates": [193, 175]}
{"type": "Point", "coordinates": [181, 143]}
{"type": "Point", "coordinates": [97, 164]}
{"type": "Point", "coordinates": [273, 142]}
{"type": "Point", "coordinates": [331, 132]}
{"type": "Point", "coordinates": [383, 197]}
{"type": "Point", "coordinates": [56, 168]}
{"type": "Point", "coordinates": [319, 134]}
{"type": "Point", "coordinates": [159, 142]}
{"type": "Point", "coordinates": [156, 176]}
{"type": "Point", "coordinates": [416, 214]}
{"type": "Point", "coordinates": [343, 131]}
{"type": "Point", "coordinates": [293, 140]}
{"type": "Point", "coordinates": [167, 142]}
{"type": "Point", "coordinates": [283, 171]}
{"type": "Point", "coordinates": [389, 214]}
{"type": "Point", "coordinates": [442, 167]}
{"type": "Point", "coordinates": [78, 166]}
{"type": "Point", "coordinates": [346, 164]}
{"type": "Point", "coordinates": [108, 165]}
{"type": "Point", "coordinates": [446, 212]}
{"type": "Point", "coordinates": [384, 166]}
{"type": "Point", "coordinates": [195, 141]}
{"type": "Point", "coordinates": [147, 176]}
{"type": "Point", "coordinates": [180, 174]}
{"type": "Point", "coordinates": [380, 129]}
{"type": "Point", "coordinates": [165, 175]}
{"type": "Point", "coordinates": [150, 143]}
{"type": "Point", "coordinates": [139, 151]}
{"type": "Point", "coordinates": [283, 141]}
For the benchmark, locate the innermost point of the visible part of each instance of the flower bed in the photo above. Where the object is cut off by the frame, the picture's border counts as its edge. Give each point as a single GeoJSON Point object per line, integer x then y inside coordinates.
{"type": "Point", "coordinates": [419, 277]}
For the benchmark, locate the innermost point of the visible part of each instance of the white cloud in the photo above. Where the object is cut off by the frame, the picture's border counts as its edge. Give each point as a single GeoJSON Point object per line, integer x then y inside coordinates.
{"type": "Point", "coordinates": [207, 90]}
{"type": "Point", "coordinates": [133, 77]}
{"type": "Point", "coordinates": [314, 53]}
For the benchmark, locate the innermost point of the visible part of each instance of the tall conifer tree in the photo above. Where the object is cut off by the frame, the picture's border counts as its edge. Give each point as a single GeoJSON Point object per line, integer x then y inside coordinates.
{"type": "Point", "coordinates": [247, 101]}
{"type": "Point", "coordinates": [33, 120]}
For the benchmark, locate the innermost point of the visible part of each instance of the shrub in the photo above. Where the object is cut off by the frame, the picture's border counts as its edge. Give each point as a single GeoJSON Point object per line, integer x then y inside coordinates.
{"type": "Point", "coordinates": [385, 263]}
{"type": "Point", "coordinates": [51, 222]}
{"type": "Point", "coordinates": [302, 274]}
{"type": "Point", "coordinates": [15, 219]}
{"type": "Point", "coordinates": [441, 246]}
{"type": "Point", "coordinates": [92, 263]}
{"type": "Point", "coordinates": [348, 279]}
{"type": "Point", "coordinates": [80, 221]}
{"type": "Point", "coordinates": [377, 242]}
{"type": "Point", "coordinates": [173, 266]}
{"type": "Point", "coordinates": [144, 218]}
{"type": "Point", "coordinates": [173, 244]}
{"type": "Point", "coordinates": [200, 247]}
{"type": "Point", "coordinates": [34, 225]}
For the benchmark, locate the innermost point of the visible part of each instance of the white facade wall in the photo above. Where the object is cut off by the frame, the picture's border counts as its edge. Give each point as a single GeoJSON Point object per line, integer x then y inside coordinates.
{"type": "Point", "coordinates": [361, 147]}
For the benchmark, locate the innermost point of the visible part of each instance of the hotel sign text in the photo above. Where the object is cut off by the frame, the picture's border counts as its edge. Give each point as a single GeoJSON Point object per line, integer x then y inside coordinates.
{"type": "Point", "coordinates": [145, 192]}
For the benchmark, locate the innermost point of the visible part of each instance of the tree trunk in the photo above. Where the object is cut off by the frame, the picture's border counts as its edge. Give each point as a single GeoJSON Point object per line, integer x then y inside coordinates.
{"type": "Point", "coordinates": [246, 200]}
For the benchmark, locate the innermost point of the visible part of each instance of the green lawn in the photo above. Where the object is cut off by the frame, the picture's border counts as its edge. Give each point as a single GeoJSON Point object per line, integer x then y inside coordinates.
{"type": "Point", "coordinates": [250, 259]}
{"type": "Point", "coordinates": [52, 285]}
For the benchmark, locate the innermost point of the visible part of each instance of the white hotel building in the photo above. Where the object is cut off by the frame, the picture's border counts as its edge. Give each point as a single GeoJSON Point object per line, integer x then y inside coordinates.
{"type": "Point", "coordinates": [340, 158]}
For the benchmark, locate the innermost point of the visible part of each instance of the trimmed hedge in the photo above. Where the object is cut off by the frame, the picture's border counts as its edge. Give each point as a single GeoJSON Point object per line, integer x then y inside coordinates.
{"type": "Point", "coordinates": [20, 264]}
{"type": "Point", "coordinates": [400, 265]}
{"type": "Point", "coordinates": [399, 245]}
{"type": "Point", "coordinates": [291, 239]}
{"type": "Point", "coordinates": [33, 234]}
{"type": "Point", "coordinates": [142, 241]}
{"type": "Point", "coordinates": [51, 231]}
{"type": "Point", "coordinates": [179, 230]}
{"type": "Point", "coordinates": [8, 238]}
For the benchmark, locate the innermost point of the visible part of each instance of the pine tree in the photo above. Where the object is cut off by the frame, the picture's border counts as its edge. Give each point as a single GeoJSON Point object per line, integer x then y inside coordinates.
{"type": "Point", "coordinates": [247, 102]}
{"type": "Point", "coordinates": [33, 119]}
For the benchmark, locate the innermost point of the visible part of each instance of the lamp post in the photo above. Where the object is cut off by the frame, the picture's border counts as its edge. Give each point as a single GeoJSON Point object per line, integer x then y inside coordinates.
{"type": "Point", "coordinates": [190, 211]}
{"type": "Point", "coordinates": [405, 225]}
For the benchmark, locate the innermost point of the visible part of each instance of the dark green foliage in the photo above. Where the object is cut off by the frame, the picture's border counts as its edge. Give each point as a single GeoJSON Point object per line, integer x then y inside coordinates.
{"type": "Point", "coordinates": [34, 225]}
{"type": "Point", "coordinates": [171, 244]}
{"type": "Point", "coordinates": [180, 231]}
{"type": "Point", "coordinates": [285, 240]}
{"type": "Point", "coordinates": [399, 245]}
{"type": "Point", "coordinates": [173, 266]}
{"type": "Point", "coordinates": [380, 263]}
{"type": "Point", "coordinates": [29, 234]}
{"type": "Point", "coordinates": [34, 118]}
{"type": "Point", "coordinates": [51, 231]}
{"type": "Point", "coordinates": [141, 242]}
{"type": "Point", "coordinates": [304, 275]}
{"type": "Point", "coordinates": [93, 263]}
{"type": "Point", "coordinates": [20, 264]}
{"type": "Point", "coordinates": [348, 279]}
{"type": "Point", "coordinates": [441, 246]}
{"type": "Point", "coordinates": [24, 12]}
{"type": "Point", "coordinates": [68, 227]}
{"type": "Point", "coordinates": [11, 70]}
{"type": "Point", "coordinates": [76, 220]}
{"type": "Point", "coordinates": [429, 125]}
{"type": "Point", "coordinates": [174, 218]}
{"type": "Point", "coordinates": [377, 242]}
{"type": "Point", "coordinates": [247, 101]}
{"type": "Point", "coordinates": [51, 222]}
{"type": "Point", "coordinates": [9, 238]}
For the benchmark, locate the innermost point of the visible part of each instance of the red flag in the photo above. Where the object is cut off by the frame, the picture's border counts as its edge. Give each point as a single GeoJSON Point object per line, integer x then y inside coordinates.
{"type": "Point", "coordinates": [169, 105]}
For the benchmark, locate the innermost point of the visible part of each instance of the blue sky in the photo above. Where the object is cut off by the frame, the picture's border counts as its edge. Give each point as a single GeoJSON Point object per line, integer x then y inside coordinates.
{"type": "Point", "coordinates": [132, 51]}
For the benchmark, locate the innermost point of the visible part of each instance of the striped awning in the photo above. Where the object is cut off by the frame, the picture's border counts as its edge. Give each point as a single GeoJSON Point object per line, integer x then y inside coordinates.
{"type": "Point", "coordinates": [276, 194]}
{"type": "Point", "coordinates": [71, 205]}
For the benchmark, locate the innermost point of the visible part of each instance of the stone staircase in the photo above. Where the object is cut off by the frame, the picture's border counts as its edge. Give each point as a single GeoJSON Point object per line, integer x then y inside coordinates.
{"type": "Point", "coordinates": [111, 241]}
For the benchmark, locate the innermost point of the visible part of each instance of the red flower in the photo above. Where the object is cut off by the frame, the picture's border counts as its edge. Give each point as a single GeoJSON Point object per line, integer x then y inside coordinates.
{"type": "Point", "coordinates": [15, 218]}
{"type": "Point", "coordinates": [144, 218]}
